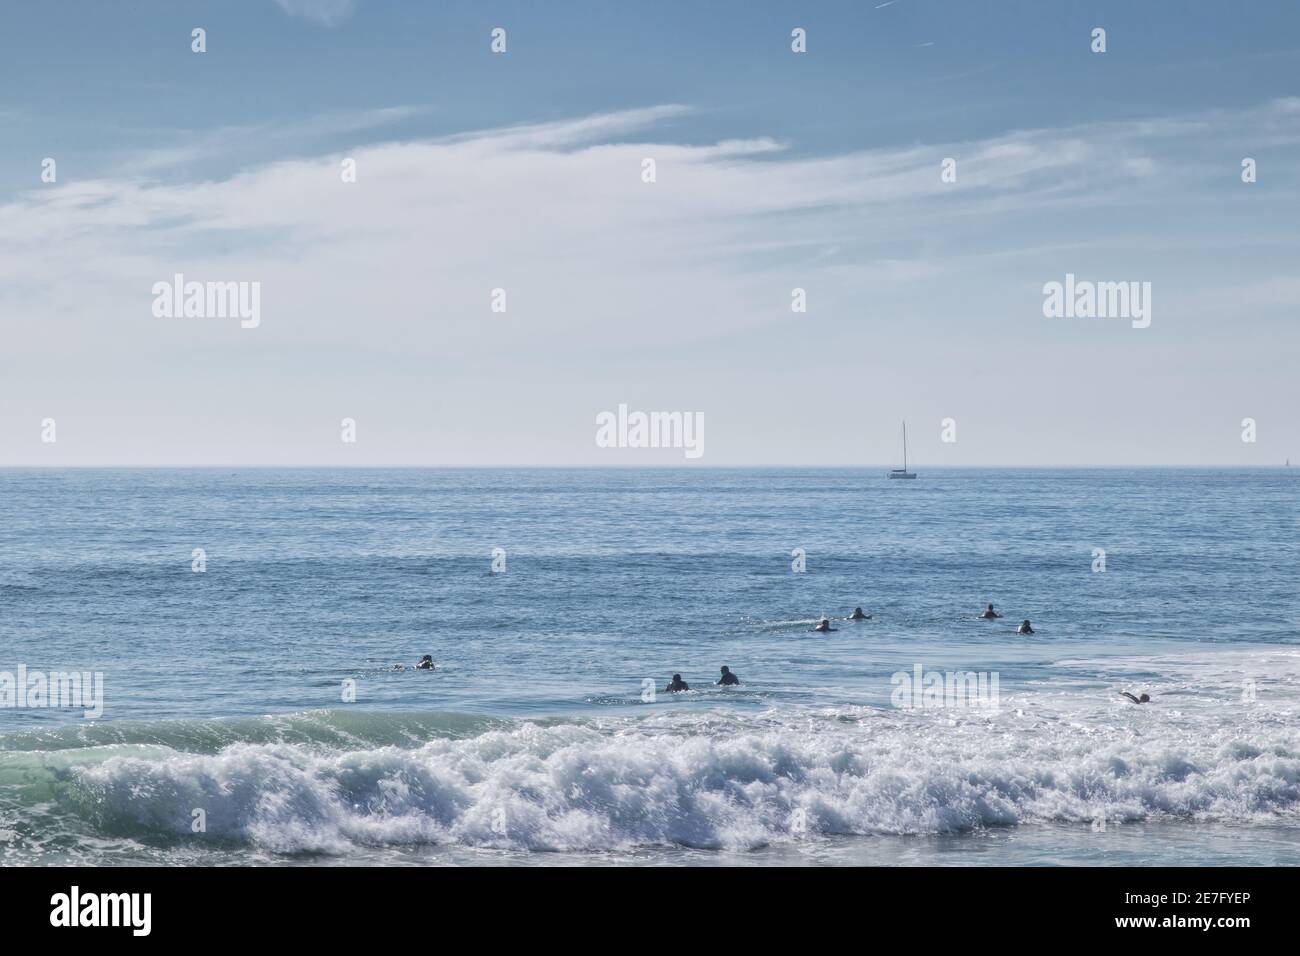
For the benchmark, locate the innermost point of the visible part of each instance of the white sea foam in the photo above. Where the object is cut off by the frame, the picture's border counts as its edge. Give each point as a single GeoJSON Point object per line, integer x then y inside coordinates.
{"type": "Point", "coordinates": [1054, 752]}
{"type": "Point", "coordinates": [712, 779]}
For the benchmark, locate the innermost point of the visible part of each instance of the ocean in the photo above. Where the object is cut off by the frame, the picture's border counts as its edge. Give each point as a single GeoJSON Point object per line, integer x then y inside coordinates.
{"type": "Point", "coordinates": [252, 711]}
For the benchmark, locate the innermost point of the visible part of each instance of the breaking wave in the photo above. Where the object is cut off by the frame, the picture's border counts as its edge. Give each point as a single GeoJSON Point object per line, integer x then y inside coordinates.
{"type": "Point", "coordinates": [329, 781]}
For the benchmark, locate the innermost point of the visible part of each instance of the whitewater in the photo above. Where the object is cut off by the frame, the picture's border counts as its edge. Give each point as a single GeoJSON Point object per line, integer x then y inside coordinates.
{"type": "Point", "coordinates": [366, 786]}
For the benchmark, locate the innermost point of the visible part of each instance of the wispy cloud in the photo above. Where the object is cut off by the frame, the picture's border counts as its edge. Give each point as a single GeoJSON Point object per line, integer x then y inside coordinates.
{"type": "Point", "coordinates": [548, 202]}
{"type": "Point", "coordinates": [328, 13]}
{"type": "Point", "coordinates": [400, 263]}
{"type": "Point", "coordinates": [280, 138]}
{"type": "Point", "coordinates": [567, 133]}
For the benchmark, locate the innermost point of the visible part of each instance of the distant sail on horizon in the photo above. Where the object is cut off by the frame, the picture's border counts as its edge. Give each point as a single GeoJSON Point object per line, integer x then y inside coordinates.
{"type": "Point", "coordinates": [903, 472]}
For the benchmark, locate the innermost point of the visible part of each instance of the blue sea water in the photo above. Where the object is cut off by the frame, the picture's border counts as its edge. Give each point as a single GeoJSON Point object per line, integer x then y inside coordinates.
{"type": "Point", "coordinates": [261, 698]}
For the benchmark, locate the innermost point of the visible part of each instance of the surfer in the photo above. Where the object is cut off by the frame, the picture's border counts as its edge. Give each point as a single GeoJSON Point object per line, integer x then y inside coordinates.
{"type": "Point", "coordinates": [1144, 699]}
{"type": "Point", "coordinates": [1024, 628]}
{"type": "Point", "coordinates": [676, 685]}
{"type": "Point", "coordinates": [989, 614]}
{"type": "Point", "coordinates": [426, 663]}
{"type": "Point", "coordinates": [824, 625]}
{"type": "Point", "coordinates": [728, 679]}
{"type": "Point", "coordinates": [857, 615]}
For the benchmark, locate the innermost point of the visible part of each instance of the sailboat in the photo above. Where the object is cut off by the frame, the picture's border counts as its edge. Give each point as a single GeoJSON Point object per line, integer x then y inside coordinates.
{"type": "Point", "coordinates": [903, 472]}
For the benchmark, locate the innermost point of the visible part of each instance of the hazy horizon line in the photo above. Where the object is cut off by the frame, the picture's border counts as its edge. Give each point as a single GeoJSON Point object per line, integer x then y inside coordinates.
{"type": "Point", "coordinates": [884, 468]}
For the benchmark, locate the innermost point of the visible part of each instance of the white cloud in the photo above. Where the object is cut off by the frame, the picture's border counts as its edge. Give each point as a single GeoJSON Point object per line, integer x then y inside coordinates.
{"type": "Point", "coordinates": [368, 288]}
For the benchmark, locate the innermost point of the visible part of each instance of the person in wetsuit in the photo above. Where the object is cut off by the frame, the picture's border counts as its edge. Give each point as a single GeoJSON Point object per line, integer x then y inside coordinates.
{"type": "Point", "coordinates": [728, 679]}
{"type": "Point", "coordinates": [1144, 699]}
{"type": "Point", "coordinates": [989, 614]}
{"type": "Point", "coordinates": [426, 663]}
{"type": "Point", "coordinates": [676, 685]}
{"type": "Point", "coordinates": [824, 625]}
{"type": "Point", "coordinates": [857, 615]}
{"type": "Point", "coordinates": [1025, 628]}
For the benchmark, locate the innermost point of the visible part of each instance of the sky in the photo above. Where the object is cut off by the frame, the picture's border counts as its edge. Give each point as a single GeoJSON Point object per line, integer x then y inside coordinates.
{"type": "Point", "coordinates": [524, 171]}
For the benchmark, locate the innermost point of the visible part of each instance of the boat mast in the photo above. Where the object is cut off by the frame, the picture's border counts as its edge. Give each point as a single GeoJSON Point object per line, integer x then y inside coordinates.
{"type": "Point", "coordinates": [904, 446]}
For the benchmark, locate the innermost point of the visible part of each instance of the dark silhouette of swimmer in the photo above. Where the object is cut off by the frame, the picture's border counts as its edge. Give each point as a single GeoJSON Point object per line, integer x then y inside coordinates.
{"type": "Point", "coordinates": [1144, 699]}
{"type": "Point", "coordinates": [728, 679]}
{"type": "Point", "coordinates": [857, 615]}
{"type": "Point", "coordinates": [823, 625]}
{"type": "Point", "coordinates": [426, 663]}
{"type": "Point", "coordinates": [676, 685]}
{"type": "Point", "coordinates": [1025, 628]}
{"type": "Point", "coordinates": [989, 614]}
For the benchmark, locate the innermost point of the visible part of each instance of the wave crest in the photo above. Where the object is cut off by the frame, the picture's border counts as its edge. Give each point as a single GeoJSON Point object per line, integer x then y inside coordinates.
{"type": "Point", "coordinates": [701, 780]}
